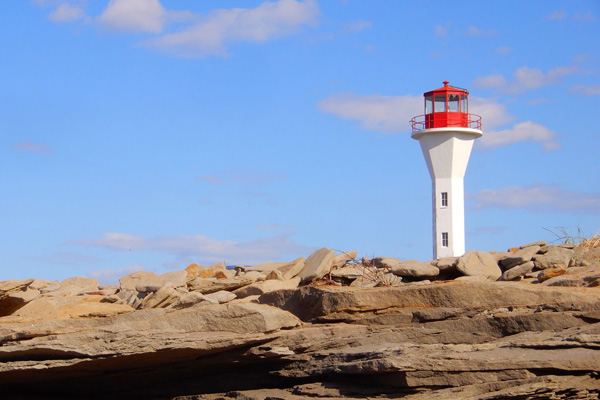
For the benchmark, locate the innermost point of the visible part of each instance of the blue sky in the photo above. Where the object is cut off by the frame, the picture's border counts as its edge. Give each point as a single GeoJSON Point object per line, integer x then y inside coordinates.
{"type": "Point", "coordinates": [147, 134]}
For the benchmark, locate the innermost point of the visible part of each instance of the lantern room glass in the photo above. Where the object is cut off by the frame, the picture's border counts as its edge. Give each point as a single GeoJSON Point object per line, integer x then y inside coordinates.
{"type": "Point", "coordinates": [428, 104]}
{"type": "Point", "coordinates": [453, 103]}
{"type": "Point", "coordinates": [440, 103]}
{"type": "Point", "coordinates": [464, 106]}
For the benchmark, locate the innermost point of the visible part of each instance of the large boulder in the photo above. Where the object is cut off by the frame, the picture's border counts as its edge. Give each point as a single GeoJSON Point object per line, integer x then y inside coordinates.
{"type": "Point", "coordinates": [479, 263]}
{"type": "Point", "coordinates": [576, 276]}
{"type": "Point", "coordinates": [518, 271]}
{"type": "Point", "coordinates": [267, 286]}
{"type": "Point", "coordinates": [521, 256]}
{"type": "Point", "coordinates": [130, 281]}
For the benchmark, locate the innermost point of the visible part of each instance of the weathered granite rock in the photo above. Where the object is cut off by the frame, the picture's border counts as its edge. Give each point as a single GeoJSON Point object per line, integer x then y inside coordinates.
{"type": "Point", "coordinates": [211, 285]}
{"type": "Point", "coordinates": [479, 263]}
{"type": "Point", "coordinates": [14, 294]}
{"type": "Point", "coordinates": [164, 297]}
{"type": "Point", "coordinates": [177, 279]}
{"type": "Point", "coordinates": [129, 282]}
{"type": "Point", "coordinates": [518, 271]}
{"type": "Point", "coordinates": [549, 273]}
{"type": "Point", "coordinates": [540, 243]}
{"type": "Point", "coordinates": [521, 256]}
{"type": "Point", "coordinates": [575, 276]}
{"type": "Point", "coordinates": [385, 262]}
{"type": "Point", "coordinates": [445, 263]}
{"type": "Point", "coordinates": [341, 259]}
{"type": "Point", "coordinates": [553, 256]}
{"type": "Point", "coordinates": [317, 265]}
{"type": "Point", "coordinates": [348, 272]}
{"type": "Point", "coordinates": [222, 296]}
{"type": "Point", "coordinates": [416, 269]}
{"type": "Point", "coordinates": [267, 286]}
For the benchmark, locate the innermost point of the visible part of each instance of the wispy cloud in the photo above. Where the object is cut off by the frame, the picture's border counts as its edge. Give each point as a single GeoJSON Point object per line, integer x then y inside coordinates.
{"type": "Point", "coordinates": [537, 198]}
{"type": "Point", "coordinates": [241, 176]}
{"type": "Point", "coordinates": [593, 90]}
{"type": "Point", "coordinates": [442, 30]}
{"type": "Point", "coordinates": [111, 276]}
{"type": "Point", "coordinates": [525, 79]}
{"type": "Point", "coordinates": [212, 34]}
{"type": "Point", "coordinates": [476, 31]}
{"type": "Point", "coordinates": [503, 50]}
{"type": "Point", "coordinates": [32, 147]}
{"type": "Point", "coordinates": [557, 15]}
{"type": "Point", "coordinates": [387, 114]}
{"type": "Point", "coordinates": [66, 12]}
{"type": "Point", "coordinates": [203, 248]}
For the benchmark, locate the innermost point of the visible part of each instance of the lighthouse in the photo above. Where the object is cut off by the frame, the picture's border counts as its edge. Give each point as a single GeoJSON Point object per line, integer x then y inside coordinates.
{"type": "Point", "coordinates": [446, 133]}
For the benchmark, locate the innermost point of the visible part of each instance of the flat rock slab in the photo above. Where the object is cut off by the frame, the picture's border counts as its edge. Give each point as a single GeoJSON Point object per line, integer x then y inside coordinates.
{"type": "Point", "coordinates": [415, 269]}
{"type": "Point", "coordinates": [308, 302]}
{"type": "Point", "coordinates": [575, 276]}
{"type": "Point", "coordinates": [317, 265]}
{"type": "Point", "coordinates": [177, 279]}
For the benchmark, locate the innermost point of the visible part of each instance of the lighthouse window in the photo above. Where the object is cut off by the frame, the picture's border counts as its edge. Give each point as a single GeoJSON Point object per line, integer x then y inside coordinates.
{"type": "Point", "coordinates": [453, 102]}
{"type": "Point", "coordinates": [428, 104]}
{"type": "Point", "coordinates": [444, 239]}
{"type": "Point", "coordinates": [463, 104]}
{"type": "Point", "coordinates": [444, 199]}
{"type": "Point", "coordinates": [440, 103]}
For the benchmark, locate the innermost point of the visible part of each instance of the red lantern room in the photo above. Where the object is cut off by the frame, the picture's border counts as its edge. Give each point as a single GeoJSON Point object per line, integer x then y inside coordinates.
{"type": "Point", "coordinates": [446, 107]}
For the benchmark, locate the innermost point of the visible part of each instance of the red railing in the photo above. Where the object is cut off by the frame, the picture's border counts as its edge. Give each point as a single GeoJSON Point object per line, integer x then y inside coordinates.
{"type": "Point", "coordinates": [419, 123]}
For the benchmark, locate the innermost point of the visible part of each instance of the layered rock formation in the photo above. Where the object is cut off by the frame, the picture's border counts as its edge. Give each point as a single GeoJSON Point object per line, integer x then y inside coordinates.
{"type": "Point", "coordinates": [328, 326]}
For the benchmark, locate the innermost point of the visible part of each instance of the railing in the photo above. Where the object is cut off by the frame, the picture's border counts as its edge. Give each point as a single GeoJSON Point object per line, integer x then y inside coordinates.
{"type": "Point", "coordinates": [419, 122]}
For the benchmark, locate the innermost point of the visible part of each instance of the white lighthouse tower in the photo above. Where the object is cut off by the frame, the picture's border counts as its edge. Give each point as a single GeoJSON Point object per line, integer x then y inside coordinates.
{"type": "Point", "coordinates": [446, 132]}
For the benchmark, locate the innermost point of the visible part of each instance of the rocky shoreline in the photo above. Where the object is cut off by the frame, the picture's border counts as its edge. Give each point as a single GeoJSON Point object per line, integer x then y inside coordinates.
{"type": "Point", "coordinates": [521, 324]}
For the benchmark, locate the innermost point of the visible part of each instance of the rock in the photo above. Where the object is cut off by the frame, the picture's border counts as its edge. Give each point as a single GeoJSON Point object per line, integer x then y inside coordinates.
{"type": "Point", "coordinates": [549, 273]}
{"type": "Point", "coordinates": [129, 282]}
{"type": "Point", "coordinates": [79, 281]}
{"type": "Point", "coordinates": [385, 262]}
{"type": "Point", "coordinates": [275, 275]}
{"type": "Point", "coordinates": [92, 310]}
{"type": "Point", "coordinates": [415, 269]}
{"type": "Point", "coordinates": [576, 276]}
{"type": "Point", "coordinates": [267, 286]}
{"type": "Point", "coordinates": [191, 299]}
{"type": "Point", "coordinates": [341, 259]}
{"type": "Point", "coordinates": [552, 257]}
{"type": "Point", "coordinates": [164, 297]}
{"type": "Point", "coordinates": [211, 285]}
{"type": "Point", "coordinates": [14, 294]}
{"type": "Point", "coordinates": [591, 257]}
{"type": "Point", "coordinates": [390, 279]}
{"type": "Point", "coordinates": [194, 271]}
{"type": "Point", "coordinates": [39, 284]}
{"type": "Point", "coordinates": [518, 271]}
{"type": "Point", "coordinates": [292, 269]}
{"type": "Point", "coordinates": [254, 276]}
{"type": "Point", "coordinates": [222, 296]}
{"type": "Point", "coordinates": [445, 263]}
{"type": "Point", "coordinates": [479, 263]}
{"type": "Point", "coordinates": [348, 272]}
{"type": "Point", "coordinates": [540, 243]}
{"type": "Point", "coordinates": [317, 265]}
{"type": "Point", "coordinates": [521, 256]}
{"type": "Point", "coordinates": [177, 279]}
{"type": "Point", "coordinates": [265, 268]}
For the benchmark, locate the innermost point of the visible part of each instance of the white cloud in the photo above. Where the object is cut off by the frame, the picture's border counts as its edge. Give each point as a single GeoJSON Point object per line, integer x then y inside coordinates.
{"type": "Point", "coordinates": [212, 34]}
{"type": "Point", "coordinates": [593, 90]}
{"type": "Point", "coordinates": [493, 114]}
{"type": "Point", "coordinates": [111, 276]}
{"type": "Point", "coordinates": [66, 12]}
{"type": "Point", "coordinates": [524, 79]}
{"type": "Point", "coordinates": [32, 147]}
{"type": "Point", "coordinates": [537, 198]}
{"type": "Point", "coordinates": [134, 16]}
{"type": "Point", "coordinates": [388, 114]}
{"type": "Point", "coordinates": [204, 248]}
{"type": "Point", "coordinates": [522, 132]}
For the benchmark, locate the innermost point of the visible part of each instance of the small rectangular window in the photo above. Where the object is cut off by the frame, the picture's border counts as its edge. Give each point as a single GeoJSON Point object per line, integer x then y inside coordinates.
{"type": "Point", "coordinates": [453, 102]}
{"type": "Point", "coordinates": [444, 199]}
{"type": "Point", "coordinates": [440, 103]}
{"type": "Point", "coordinates": [428, 104]}
{"type": "Point", "coordinates": [444, 239]}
